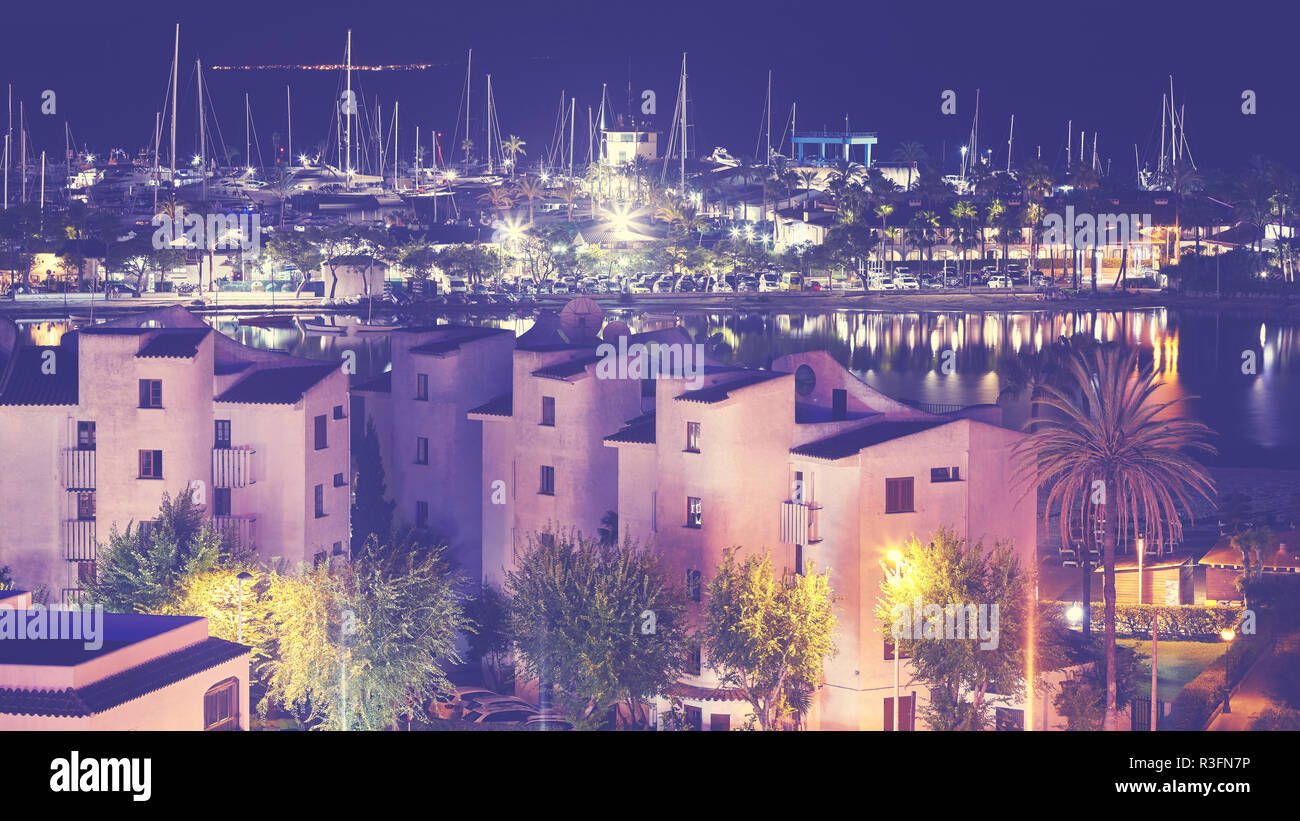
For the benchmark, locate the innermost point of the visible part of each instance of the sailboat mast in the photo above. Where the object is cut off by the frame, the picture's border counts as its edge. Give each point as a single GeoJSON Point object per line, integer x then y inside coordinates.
{"type": "Point", "coordinates": [1010, 137]}
{"type": "Point", "coordinates": [1069, 145]}
{"type": "Point", "coordinates": [157, 136]}
{"type": "Point", "coordinates": [248, 157]}
{"type": "Point", "coordinates": [203, 135]}
{"type": "Point", "coordinates": [288, 108]}
{"type": "Point", "coordinates": [347, 115]}
{"type": "Point", "coordinates": [469, 64]}
{"type": "Point", "coordinates": [682, 187]}
{"type": "Point", "coordinates": [767, 160]}
{"type": "Point", "coordinates": [488, 94]}
{"type": "Point", "coordinates": [176, 61]}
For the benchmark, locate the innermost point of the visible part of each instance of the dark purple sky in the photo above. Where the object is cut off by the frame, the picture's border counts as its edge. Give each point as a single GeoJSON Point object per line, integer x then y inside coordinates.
{"type": "Point", "coordinates": [1104, 64]}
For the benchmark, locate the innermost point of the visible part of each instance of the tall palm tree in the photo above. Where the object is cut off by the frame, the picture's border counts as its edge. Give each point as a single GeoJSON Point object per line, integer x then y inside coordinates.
{"type": "Point", "coordinates": [1110, 454]}
{"type": "Point", "coordinates": [570, 194]}
{"type": "Point", "coordinates": [514, 147]}
{"type": "Point", "coordinates": [992, 216]}
{"type": "Point", "coordinates": [912, 153]}
{"type": "Point", "coordinates": [467, 145]}
{"type": "Point", "coordinates": [807, 176]}
{"type": "Point", "coordinates": [964, 210]}
{"type": "Point", "coordinates": [883, 211]}
{"type": "Point", "coordinates": [530, 189]}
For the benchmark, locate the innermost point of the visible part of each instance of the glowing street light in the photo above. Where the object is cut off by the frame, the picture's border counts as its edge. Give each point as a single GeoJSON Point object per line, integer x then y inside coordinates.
{"type": "Point", "coordinates": [197, 160]}
{"type": "Point", "coordinates": [1074, 614]}
{"type": "Point", "coordinates": [1228, 634]}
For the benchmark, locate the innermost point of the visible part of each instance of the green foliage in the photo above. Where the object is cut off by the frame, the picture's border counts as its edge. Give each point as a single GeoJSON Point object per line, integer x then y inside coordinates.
{"type": "Point", "coordinates": [766, 635]}
{"type": "Point", "coordinates": [141, 574]}
{"type": "Point", "coordinates": [1277, 718]}
{"type": "Point", "coordinates": [1173, 621]}
{"type": "Point", "coordinates": [599, 623]}
{"type": "Point", "coordinates": [964, 671]}
{"type": "Point", "coordinates": [372, 511]}
{"type": "Point", "coordinates": [1082, 696]}
{"type": "Point", "coordinates": [1193, 707]}
{"type": "Point", "coordinates": [489, 611]}
{"type": "Point", "coordinates": [362, 644]}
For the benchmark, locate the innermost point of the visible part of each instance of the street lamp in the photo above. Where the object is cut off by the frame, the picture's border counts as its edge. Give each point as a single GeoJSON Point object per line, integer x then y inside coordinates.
{"type": "Point", "coordinates": [1228, 634]}
{"type": "Point", "coordinates": [1074, 614]}
{"type": "Point", "coordinates": [243, 576]}
{"type": "Point", "coordinates": [897, 558]}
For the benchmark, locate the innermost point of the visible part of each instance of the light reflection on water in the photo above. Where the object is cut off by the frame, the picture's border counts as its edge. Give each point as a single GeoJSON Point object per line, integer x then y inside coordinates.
{"type": "Point", "coordinates": [1196, 353]}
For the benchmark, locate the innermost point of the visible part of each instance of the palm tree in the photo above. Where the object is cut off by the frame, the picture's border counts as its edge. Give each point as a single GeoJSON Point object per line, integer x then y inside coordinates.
{"type": "Point", "coordinates": [283, 189]}
{"type": "Point", "coordinates": [964, 210]}
{"type": "Point", "coordinates": [992, 215]}
{"type": "Point", "coordinates": [530, 189]}
{"type": "Point", "coordinates": [924, 232]}
{"type": "Point", "coordinates": [1110, 454]}
{"type": "Point", "coordinates": [569, 193]}
{"type": "Point", "coordinates": [883, 211]}
{"type": "Point", "coordinates": [467, 145]}
{"type": "Point", "coordinates": [497, 198]}
{"type": "Point", "coordinates": [912, 153]}
{"type": "Point", "coordinates": [514, 147]}
{"type": "Point", "coordinates": [807, 176]}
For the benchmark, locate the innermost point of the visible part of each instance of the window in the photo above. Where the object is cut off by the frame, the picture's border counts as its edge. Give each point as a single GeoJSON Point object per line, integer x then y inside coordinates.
{"type": "Point", "coordinates": [1006, 719]}
{"type": "Point", "coordinates": [338, 548]}
{"type": "Point", "coordinates": [945, 474]}
{"type": "Point", "coordinates": [221, 706]}
{"type": "Point", "coordinates": [798, 560]}
{"type": "Point", "coordinates": [338, 412]}
{"type": "Point", "coordinates": [86, 505]}
{"type": "Point", "coordinates": [548, 480]}
{"type": "Point", "coordinates": [421, 450]}
{"type": "Point", "coordinates": [693, 437]}
{"type": "Point", "coordinates": [548, 411]}
{"type": "Point", "coordinates": [694, 717]}
{"type": "Point", "coordinates": [421, 514]}
{"type": "Point", "coordinates": [422, 387]}
{"type": "Point", "coordinates": [339, 481]}
{"type": "Point", "coordinates": [906, 713]}
{"type": "Point", "coordinates": [151, 464]}
{"type": "Point", "coordinates": [321, 439]}
{"type": "Point", "coordinates": [694, 511]}
{"type": "Point", "coordinates": [320, 501]}
{"type": "Point", "coordinates": [221, 435]}
{"type": "Point", "coordinates": [719, 722]}
{"type": "Point", "coordinates": [694, 660]}
{"type": "Point", "coordinates": [145, 531]}
{"type": "Point", "coordinates": [85, 436]}
{"type": "Point", "coordinates": [221, 501]}
{"type": "Point", "coordinates": [151, 393]}
{"type": "Point", "coordinates": [693, 584]}
{"type": "Point", "coordinates": [898, 495]}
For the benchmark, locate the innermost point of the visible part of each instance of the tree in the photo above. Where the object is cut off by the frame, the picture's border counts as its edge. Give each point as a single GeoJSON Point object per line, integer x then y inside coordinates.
{"type": "Point", "coordinates": [141, 571]}
{"type": "Point", "coordinates": [963, 214]}
{"type": "Point", "coordinates": [597, 624]}
{"type": "Point", "coordinates": [912, 153]}
{"type": "Point", "coordinates": [767, 636]}
{"type": "Point", "coordinates": [372, 511]}
{"type": "Point", "coordinates": [1081, 698]}
{"type": "Point", "coordinates": [336, 243]}
{"type": "Point", "coordinates": [530, 190]}
{"type": "Point", "coordinates": [365, 644]}
{"type": "Point", "coordinates": [497, 198]}
{"type": "Point", "coordinates": [514, 147]}
{"type": "Point", "coordinates": [1111, 455]}
{"type": "Point", "coordinates": [297, 248]}
{"type": "Point", "coordinates": [959, 612]}
{"type": "Point", "coordinates": [490, 641]}
{"type": "Point", "coordinates": [883, 212]}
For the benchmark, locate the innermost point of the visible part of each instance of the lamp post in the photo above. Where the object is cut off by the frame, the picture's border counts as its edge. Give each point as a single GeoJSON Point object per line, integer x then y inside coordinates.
{"type": "Point", "coordinates": [240, 579]}
{"type": "Point", "coordinates": [1141, 550]}
{"type": "Point", "coordinates": [1155, 677]}
{"type": "Point", "coordinates": [897, 558]}
{"type": "Point", "coordinates": [1228, 634]}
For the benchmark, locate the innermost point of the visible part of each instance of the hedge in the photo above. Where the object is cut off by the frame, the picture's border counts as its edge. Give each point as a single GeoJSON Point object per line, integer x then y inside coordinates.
{"type": "Point", "coordinates": [1199, 698]}
{"type": "Point", "coordinates": [1182, 621]}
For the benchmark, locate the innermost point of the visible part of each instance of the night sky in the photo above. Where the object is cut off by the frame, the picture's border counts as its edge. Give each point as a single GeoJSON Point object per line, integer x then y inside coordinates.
{"type": "Point", "coordinates": [1103, 64]}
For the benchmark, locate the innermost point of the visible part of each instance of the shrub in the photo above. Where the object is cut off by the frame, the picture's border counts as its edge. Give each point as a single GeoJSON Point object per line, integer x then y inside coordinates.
{"type": "Point", "coordinates": [1277, 718]}
{"type": "Point", "coordinates": [1184, 620]}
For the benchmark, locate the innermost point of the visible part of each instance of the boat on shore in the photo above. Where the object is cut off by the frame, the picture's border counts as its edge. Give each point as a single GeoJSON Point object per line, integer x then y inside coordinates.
{"type": "Point", "coordinates": [309, 326]}
{"type": "Point", "coordinates": [268, 321]}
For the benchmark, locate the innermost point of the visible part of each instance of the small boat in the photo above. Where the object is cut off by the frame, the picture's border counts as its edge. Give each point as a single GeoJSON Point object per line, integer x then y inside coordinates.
{"type": "Point", "coordinates": [268, 321]}
{"type": "Point", "coordinates": [365, 328]}
{"type": "Point", "coordinates": [321, 328]}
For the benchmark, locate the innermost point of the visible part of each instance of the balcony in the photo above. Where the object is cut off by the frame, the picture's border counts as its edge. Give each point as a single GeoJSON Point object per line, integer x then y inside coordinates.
{"type": "Point", "coordinates": [78, 469]}
{"type": "Point", "coordinates": [240, 529]}
{"type": "Point", "coordinates": [232, 467]}
{"type": "Point", "coordinates": [79, 540]}
{"type": "Point", "coordinates": [799, 523]}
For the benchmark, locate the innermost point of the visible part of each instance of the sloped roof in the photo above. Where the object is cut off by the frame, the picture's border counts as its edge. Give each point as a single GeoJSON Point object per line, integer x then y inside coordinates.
{"type": "Point", "coordinates": [28, 381]}
{"type": "Point", "coordinates": [502, 405]}
{"type": "Point", "coordinates": [564, 370]}
{"type": "Point", "coordinates": [853, 441]}
{"type": "Point", "coordinates": [276, 386]}
{"type": "Point", "coordinates": [174, 343]}
{"type": "Point", "coordinates": [379, 384]}
{"type": "Point", "coordinates": [721, 391]}
{"type": "Point", "coordinates": [453, 336]}
{"type": "Point", "coordinates": [640, 431]}
{"type": "Point", "coordinates": [128, 685]}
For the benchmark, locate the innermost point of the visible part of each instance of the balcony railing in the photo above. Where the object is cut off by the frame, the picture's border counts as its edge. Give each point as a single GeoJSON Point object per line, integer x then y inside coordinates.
{"type": "Point", "coordinates": [78, 469]}
{"type": "Point", "coordinates": [232, 467]}
{"type": "Point", "coordinates": [799, 523]}
{"type": "Point", "coordinates": [79, 540]}
{"type": "Point", "coordinates": [72, 595]}
{"type": "Point", "coordinates": [240, 529]}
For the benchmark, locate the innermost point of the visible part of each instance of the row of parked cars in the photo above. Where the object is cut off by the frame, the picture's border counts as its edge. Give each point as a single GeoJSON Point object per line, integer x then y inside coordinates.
{"type": "Point", "coordinates": [903, 279]}
{"type": "Point", "coordinates": [478, 705]}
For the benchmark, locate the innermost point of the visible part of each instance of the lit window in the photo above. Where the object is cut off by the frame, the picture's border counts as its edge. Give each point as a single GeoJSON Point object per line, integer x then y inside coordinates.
{"type": "Point", "coordinates": [694, 511]}
{"type": "Point", "coordinates": [693, 437]}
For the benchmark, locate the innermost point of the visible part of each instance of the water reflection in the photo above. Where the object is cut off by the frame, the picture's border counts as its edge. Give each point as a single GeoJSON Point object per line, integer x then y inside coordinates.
{"type": "Point", "coordinates": [1244, 370]}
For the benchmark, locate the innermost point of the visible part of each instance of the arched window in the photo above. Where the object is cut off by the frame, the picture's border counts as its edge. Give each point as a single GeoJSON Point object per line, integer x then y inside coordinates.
{"type": "Point", "coordinates": [221, 706]}
{"type": "Point", "coordinates": [805, 379]}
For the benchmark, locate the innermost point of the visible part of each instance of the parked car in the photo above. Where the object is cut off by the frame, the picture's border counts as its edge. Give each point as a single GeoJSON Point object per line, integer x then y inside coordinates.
{"type": "Point", "coordinates": [548, 721]}
{"type": "Point", "coordinates": [906, 282]}
{"type": "Point", "coordinates": [664, 285]}
{"type": "Point", "coordinates": [500, 714]}
{"type": "Point", "coordinates": [999, 282]}
{"type": "Point", "coordinates": [449, 705]}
